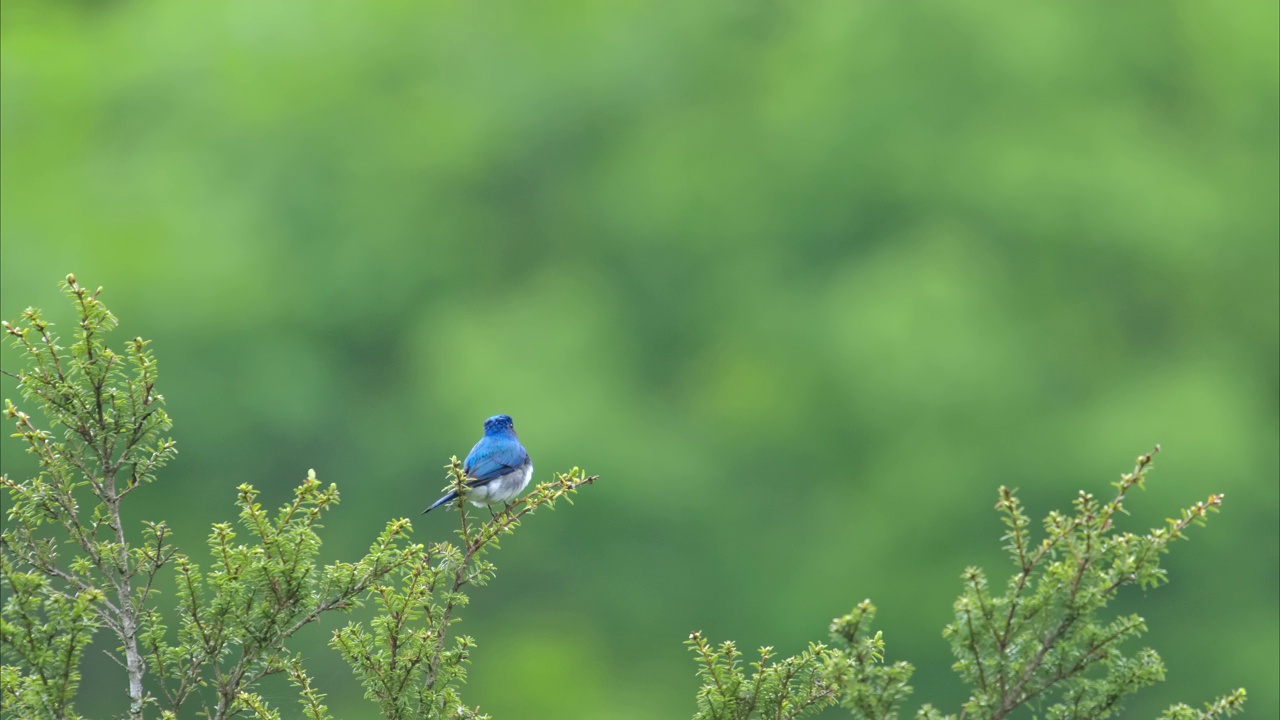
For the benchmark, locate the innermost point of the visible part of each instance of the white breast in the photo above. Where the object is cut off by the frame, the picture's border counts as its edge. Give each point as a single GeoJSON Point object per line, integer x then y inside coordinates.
{"type": "Point", "coordinates": [502, 489]}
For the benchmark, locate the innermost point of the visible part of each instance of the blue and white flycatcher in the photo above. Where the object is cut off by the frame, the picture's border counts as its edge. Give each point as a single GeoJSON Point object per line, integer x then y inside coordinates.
{"type": "Point", "coordinates": [498, 468]}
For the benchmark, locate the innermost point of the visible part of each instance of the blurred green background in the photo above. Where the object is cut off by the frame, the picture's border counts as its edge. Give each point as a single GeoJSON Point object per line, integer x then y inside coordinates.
{"type": "Point", "coordinates": [804, 283]}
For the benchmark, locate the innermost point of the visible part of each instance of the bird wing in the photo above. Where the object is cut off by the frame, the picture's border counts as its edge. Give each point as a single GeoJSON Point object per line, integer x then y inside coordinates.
{"type": "Point", "coordinates": [493, 457]}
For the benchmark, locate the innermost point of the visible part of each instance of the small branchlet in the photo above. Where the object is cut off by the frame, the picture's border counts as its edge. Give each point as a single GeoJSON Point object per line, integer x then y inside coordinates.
{"type": "Point", "coordinates": [789, 688]}
{"type": "Point", "coordinates": [311, 700]}
{"type": "Point", "coordinates": [1225, 706]}
{"type": "Point", "coordinates": [43, 633]}
{"type": "Point", "coordinates": [876, 690]}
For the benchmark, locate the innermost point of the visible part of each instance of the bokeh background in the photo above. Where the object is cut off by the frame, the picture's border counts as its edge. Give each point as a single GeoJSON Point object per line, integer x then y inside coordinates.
{"type": "Point", "coordinates": [804, 283]}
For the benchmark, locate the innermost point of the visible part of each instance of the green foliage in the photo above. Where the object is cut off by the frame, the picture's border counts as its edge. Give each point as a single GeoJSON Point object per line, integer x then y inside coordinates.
{"type": "Point", "coordinates": [1222, 707]}
{"type": "Point", "coordinates": [43, 634]}
{"type": "Point", "coordinates": [850, 671]}
{"type": "Point", "coordinates": [1041, 643]}
{"type": "Point", "coordinates": [67, 568]}
{"type": "Point", "coordinates": [1042, 636]}
{"type": "Point", "coordinates": [875, 690]}
{"type": "Point", "coordinates": [235, 619]}
{"type": "Point", "coordinates": [791, 688]}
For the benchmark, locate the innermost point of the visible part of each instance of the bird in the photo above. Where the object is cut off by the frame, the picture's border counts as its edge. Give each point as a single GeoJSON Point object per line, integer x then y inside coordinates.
{"type": "Point", "coordinates": [498, 468]}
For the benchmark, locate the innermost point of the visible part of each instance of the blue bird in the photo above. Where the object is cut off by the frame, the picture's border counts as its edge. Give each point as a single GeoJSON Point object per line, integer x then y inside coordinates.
{"type": "Point", "coordinates": [498, 467]}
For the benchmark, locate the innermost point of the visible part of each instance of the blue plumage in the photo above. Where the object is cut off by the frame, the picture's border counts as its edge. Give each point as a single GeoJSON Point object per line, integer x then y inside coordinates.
{"type": "Point", "coordinates": [498, 468]}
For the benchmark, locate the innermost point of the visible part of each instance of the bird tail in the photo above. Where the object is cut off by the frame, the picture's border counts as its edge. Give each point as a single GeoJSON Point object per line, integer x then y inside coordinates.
{"type": "Point", "coordinates": [451, 496]}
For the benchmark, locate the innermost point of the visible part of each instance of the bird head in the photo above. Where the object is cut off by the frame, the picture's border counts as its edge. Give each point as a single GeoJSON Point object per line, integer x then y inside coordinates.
{"type": "Point", "coordinates": [499, 425]}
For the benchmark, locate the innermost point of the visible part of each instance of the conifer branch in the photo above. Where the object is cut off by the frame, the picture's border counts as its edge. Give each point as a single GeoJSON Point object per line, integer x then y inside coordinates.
{"type": "Point", "coordinates": [1042, 641]}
